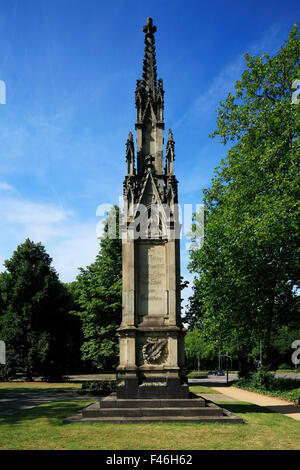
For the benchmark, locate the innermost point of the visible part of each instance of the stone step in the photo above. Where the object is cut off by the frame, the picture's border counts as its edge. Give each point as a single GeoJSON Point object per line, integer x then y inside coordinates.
{"type": "Point", "coordinates": [210, 413]}
{"type": "Point", "coordinates": [157, 419]}
{"type": "Point", "coordinates": [152, 403]}
{"type": "Point", "coordinates": [160, 412]}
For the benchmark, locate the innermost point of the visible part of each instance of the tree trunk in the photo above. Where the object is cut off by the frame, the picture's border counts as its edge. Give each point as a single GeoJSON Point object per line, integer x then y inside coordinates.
{"type": "Point", "coordinates": [267, 342]}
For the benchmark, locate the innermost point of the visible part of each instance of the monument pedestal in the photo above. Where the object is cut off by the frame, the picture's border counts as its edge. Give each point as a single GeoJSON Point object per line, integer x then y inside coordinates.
{"type": "Point", "coordinates": [154, 371]}
{"type": "Point", "coordinates": [194, 409]}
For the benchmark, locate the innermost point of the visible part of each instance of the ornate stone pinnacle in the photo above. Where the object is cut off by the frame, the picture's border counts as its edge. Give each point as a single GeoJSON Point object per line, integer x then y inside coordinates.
{"type": "Point", "coordinates": [130, 137]}
{"type": "Point", "coordinates": [149, 64]}
{"type": "Point", "coordinates": [149, 159]}
{"type": "Point", "coordinates": [149, 28]}
{"type": "Point", "coordinates": [170, 135]}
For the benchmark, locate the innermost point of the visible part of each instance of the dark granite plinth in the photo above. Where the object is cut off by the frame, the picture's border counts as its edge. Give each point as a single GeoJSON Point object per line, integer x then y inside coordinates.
{"type": "Point", "coordinates": [155, 387]}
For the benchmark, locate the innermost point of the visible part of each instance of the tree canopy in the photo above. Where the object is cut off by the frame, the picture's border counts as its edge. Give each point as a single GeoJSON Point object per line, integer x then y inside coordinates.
{"type": "Point", "coordinates": [247, 273]}
{"type": "Point", "coordinates": [34, 320]}
{"type": "Point", "coordinates": [98, 293]}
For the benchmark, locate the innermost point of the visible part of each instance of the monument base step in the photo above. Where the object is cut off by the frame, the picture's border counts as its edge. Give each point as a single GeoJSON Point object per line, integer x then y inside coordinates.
{"type": "Point", "coordinates": [194, 410]}
{"type": "Point", "coordinates": [112, 402]}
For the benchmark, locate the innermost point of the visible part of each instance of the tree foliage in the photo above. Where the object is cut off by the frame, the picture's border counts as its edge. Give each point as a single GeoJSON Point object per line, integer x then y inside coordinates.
{"type": "Point", "coordinates": [34, 320]}
{"type": "Point", "coordinates": [98, 293]}
{"type": "Point", "coordinates": [248, 268]}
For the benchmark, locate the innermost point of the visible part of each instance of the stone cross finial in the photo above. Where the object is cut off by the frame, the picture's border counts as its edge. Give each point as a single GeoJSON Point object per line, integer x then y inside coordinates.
{"type": "Point", "coordinates": [149, 28]}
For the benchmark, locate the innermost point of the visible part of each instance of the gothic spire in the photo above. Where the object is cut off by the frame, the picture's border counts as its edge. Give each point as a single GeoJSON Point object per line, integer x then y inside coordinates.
{"type": "Point", "coordinates": [149, 64]}
{"type": "Point", "coordinates": [149, 103]}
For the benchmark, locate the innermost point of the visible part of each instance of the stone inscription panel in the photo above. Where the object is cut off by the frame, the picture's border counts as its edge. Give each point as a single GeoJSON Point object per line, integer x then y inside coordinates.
{"type": "Point", "coordinates": [151, 279]}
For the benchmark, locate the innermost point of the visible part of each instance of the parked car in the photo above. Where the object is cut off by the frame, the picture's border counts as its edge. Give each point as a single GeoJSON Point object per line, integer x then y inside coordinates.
{"type": "Point", "coordinates": [219, 372]}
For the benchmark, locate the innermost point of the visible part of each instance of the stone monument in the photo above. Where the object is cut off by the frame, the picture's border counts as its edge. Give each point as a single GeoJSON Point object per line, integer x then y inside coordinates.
{"type": "Point", "coordinates": [151, 333]}
{"type": "Point", "coordinates": [151, 382]}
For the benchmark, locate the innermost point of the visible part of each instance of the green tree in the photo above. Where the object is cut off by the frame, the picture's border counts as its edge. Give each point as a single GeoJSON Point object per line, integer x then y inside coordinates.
{"type": "Point", "coordinates": [248, 268]}
{"type": "Point", "coordinates": [195, 348]}
{"type": "Point", "coordinates": [33, 316]}
{"type": "Point", "coordinates": [281, 342]}
{"type": "Point", "coordinates": [98, 292]}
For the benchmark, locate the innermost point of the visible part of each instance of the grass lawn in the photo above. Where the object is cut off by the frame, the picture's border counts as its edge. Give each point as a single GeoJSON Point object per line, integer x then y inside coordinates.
{"type": "Point", "coordinates": [41, 428]}
{"type": "Point", "coordinates": [198, 389]}
{"type": "Point", "coordinates": [21, 387]}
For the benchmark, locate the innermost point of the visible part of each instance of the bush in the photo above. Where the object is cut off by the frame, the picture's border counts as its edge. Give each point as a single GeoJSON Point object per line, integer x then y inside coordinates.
{"type": "Point", "coordinates": [99, 387]}
{"type": "Point", "coordinates": [262, 378]}
{"type": "Point", "coordinates": [284, 366]}
{"type": "Point", "coordinates": [7, 373]}
{"type": "Point", "coordinates": [262, 381]}
{"type": "Point", "coordinates": [293, 395]}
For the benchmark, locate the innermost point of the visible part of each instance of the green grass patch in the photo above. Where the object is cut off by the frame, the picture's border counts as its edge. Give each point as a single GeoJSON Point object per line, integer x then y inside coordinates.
{"type": "Point", "coordinates": [42, 428]}
{"type": "Point", "coordinates": [197, 375]}
{"type": "Point", "coordinates": [287, 371]}
{"type": "Point", "coordinates": [38, 387]}
{"type": "Point", "coordinates": [198, 389]}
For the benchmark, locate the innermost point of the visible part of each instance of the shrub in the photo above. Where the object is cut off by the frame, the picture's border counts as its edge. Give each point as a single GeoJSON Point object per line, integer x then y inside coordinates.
{"type": "Point", "coordinates": [99, 387]}
{"type": "Point", "coordinates": [263, 381]}
{"type": "Point", "coordinates": [284, 366]}
{"type": "Point", "coordinates": [262, 378]}
{"type": "Point", "coordinates": [293, 395]}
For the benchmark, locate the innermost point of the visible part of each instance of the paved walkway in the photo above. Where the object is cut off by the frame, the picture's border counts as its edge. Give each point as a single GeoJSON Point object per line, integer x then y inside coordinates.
{"type": "Point", "coordinates": [272, 403]}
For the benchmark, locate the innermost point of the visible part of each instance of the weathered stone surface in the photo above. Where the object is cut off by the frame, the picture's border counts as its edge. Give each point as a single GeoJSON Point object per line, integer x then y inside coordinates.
{"type": "Point", "coordinates": [193, 410]}
{"type": "Point", "coordinates": [151, 333]}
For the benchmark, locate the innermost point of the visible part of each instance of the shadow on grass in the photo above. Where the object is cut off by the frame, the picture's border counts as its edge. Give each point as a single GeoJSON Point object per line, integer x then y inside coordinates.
{"type": "Point", "coordinates": [54, 412]}
{"type": "Point", "coordinates": [37, 390]}
{"type": "Point", "coordinates": [243, 408]}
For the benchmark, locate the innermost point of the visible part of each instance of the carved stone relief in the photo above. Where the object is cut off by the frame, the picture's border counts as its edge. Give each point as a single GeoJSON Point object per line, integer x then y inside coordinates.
{"type": "Point", "coordinates": [155, 350]}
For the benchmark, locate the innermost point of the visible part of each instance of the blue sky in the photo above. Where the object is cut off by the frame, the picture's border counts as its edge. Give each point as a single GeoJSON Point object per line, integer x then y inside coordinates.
{"type": "Point", "coordinates": [70, 69]}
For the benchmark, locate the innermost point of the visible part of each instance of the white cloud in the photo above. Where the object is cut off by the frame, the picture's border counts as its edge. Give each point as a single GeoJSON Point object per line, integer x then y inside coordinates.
{"type": "Point", "coordinates": [70, 242]}
{"type": "Point", "coordinates": [5, 186]}
{"type": "Point", "coordinates": [26, 212]}
{"type": "Point", "coordinates": [77, 249]}
{"type": "Point", "coordinates": [36, 221]}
